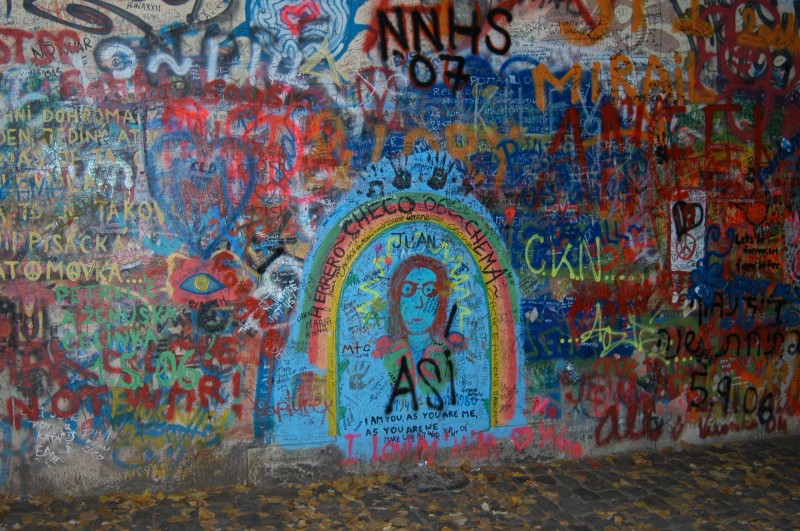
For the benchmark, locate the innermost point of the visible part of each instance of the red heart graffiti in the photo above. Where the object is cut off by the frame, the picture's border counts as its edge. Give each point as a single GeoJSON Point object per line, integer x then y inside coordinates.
{"type": "Point", "coordinates": [295, 17]}
{"type": "Point", "coordinates": [521, 437]}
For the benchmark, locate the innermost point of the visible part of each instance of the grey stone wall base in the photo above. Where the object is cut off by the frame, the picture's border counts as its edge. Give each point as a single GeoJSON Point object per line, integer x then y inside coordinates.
{"type": "Point", "coordinates": [270, 467]}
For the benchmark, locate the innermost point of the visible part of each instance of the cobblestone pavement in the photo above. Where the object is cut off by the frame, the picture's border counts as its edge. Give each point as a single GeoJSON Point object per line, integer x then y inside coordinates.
{"type": "Point", "coordinates": [748, 485]}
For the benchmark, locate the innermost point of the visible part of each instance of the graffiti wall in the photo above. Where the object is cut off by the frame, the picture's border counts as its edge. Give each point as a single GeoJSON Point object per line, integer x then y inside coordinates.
{"type": "Point", "coordinates": [407, 231]}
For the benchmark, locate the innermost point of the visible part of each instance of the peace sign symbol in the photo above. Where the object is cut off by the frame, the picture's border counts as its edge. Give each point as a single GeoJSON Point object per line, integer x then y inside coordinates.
{"type": "Point", "coordinates": [686, 246]}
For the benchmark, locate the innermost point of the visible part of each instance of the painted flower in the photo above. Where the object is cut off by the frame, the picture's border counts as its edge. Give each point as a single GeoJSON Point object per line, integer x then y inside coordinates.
{"type": "Point", "coordinates": [706, 279]}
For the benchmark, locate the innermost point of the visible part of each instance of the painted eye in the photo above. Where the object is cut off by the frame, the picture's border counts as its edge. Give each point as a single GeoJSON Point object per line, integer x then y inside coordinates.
{"type": "Point", "coordinates": [429, 289]}
{"type": "Point", "coordinates": [408, 289]}
{"type": "Point", "coordinates": [201, 284]}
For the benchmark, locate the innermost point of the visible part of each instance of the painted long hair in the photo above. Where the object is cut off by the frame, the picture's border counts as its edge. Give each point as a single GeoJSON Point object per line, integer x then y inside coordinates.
{"type": "Point", "coordinates": [395, 326]}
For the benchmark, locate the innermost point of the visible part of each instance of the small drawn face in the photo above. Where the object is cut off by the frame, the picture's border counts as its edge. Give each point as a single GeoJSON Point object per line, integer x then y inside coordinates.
{"type": "Point", "coordinates": [419, 300]}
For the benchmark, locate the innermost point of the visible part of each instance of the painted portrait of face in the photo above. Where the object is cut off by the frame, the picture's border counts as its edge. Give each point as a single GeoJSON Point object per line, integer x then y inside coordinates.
{"type": "Point", "coordinates": [418, 298]}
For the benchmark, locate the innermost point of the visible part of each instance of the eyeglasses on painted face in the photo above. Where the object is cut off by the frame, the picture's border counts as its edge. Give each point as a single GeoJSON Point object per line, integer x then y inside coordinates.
{"type": "Point", "coordinates": [409, 288]}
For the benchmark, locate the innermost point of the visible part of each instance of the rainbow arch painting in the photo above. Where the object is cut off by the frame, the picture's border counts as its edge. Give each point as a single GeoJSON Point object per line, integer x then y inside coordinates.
{"type": "Point", "coordinates": [379, 231]}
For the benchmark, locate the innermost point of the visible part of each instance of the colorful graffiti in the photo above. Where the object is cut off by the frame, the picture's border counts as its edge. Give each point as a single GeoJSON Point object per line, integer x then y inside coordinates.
{"type": "Point", "coordinates": [448, 230]}
{"type": "Point", "coordinates": [429, 327]}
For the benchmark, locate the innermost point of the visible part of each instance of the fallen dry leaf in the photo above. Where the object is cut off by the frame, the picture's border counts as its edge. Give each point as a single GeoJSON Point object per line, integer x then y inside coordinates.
{"type": "Point", "coordinates": [88, 517]}
{"type": "Point", "coordinates": [197, 494]}
{"type": "Point", "coordinates": [145, 499]}
{"type": "Point", "coordinates": [230, 512]}
{"type": "Point", "coordinates": [42, 500]}
{"type": "Point", "coordinates": [179, 518]}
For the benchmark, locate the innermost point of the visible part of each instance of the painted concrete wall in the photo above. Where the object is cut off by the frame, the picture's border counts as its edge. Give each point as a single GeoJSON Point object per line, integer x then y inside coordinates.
{"type": "Point", "coordinates": [238, 237]}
